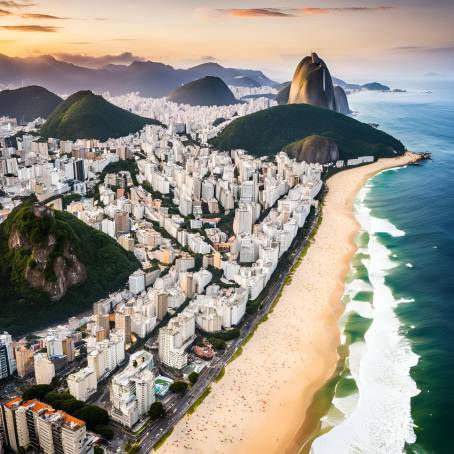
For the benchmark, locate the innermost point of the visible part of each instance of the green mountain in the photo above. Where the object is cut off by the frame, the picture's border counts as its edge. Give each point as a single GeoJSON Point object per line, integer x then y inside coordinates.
{"type": "Point", "coordinates": [87, 116]}
{"type": "Point", "coordinates": [28, 103]}
{"type": "Point", "coordinates": [266, 132]}
{"type": "Point", "coordinates": [208, 91]}
{"type": "Point", "coordinates": [52, 265]}
{"type": "Point", "coordinates": [375, 86]}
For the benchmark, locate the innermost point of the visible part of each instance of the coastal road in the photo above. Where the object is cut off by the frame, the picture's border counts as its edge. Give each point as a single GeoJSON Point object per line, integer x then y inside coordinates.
{"type": "Point", "coordinates": [176, 410]}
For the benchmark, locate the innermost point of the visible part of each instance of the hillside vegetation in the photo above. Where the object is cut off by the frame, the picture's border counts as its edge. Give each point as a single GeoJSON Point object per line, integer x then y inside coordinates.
{"type": "Point", "coordinates": [268, 131]}
{"type": "Point", "coordinates": [37, 253]}
{"type": "Point", "coordinates": [87, 116]}
{"type": "Point", "coordinates": [208, 91]}
{"type": "Point", "coordinates": [28, 103]}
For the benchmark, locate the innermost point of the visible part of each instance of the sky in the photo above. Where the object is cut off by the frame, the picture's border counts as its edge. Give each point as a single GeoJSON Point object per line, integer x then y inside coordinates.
{"type": "Point", "coordinates": [358, 39]}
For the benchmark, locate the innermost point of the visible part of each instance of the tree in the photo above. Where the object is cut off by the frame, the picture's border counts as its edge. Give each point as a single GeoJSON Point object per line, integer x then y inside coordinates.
{"type": "Point", "coordinates": [98, 450]}
{"type": "Point", "coordinates": [193, 377]}
{"type": "Point", "coordinates": [105, 431]}
{"type": "Point", "coordinates": [52, 396]}
{"type": "Point", "coordinates": [156, 410]}
{"type": "Point", "coordinates": [55, 381]}
{"type": "Point", "coordinates": [217, 344]}
{"type": "Point", "coordinates": [36, 392]}
{"type": "Point", "coordinates": [71, 405]}
{"type": "Point", "coordinates": [93, 416]}
{"type": "Point", "coordinates": [179, 387]}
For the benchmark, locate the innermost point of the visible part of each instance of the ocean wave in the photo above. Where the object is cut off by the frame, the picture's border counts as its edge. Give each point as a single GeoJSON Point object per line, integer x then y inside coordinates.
{"type": "Point", "coordinates": [381, 422]}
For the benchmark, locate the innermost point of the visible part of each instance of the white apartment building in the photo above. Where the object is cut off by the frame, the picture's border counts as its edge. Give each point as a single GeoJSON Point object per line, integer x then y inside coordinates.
{"type": "Point", "coordinates": [37, 426]}
{"type": "Point", "coordinates": [106, 355]}
{"type": "Point", "coordinates": [175, 338]}
{"type": "Point", "coordinates": [132, 390]}
{"type": "Point", "coordinates": [82, 384]}
{"type": "Point", "coordinates": [44, 369]}
{"type": "Point", "coordinates": [137, 282]}
{"type": "Point", "coordinates": [244, 219]}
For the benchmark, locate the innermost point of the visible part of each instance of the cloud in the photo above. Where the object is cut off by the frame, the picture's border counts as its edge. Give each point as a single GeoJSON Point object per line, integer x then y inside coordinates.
{"type": "Point", "coordinates": [30, 28]}
{"type": "Point", "coordinates": [257, 12]}
{"type": "Point", "coordinates": [208, 58]}
{"type": "Point", "coordinates": [399, 48]}
{"type": "Point", "coordinates": [15, 4]}
{"type": "Point", "coordinates": [348, 9]}
{"type": "Point", "coordinates": [122, 39]}
{"type": "Point", "coordinates": [425, 49]}
{"type": "Point", "coordinates": [286, 12]}
{"type": "Point", "coordinates": [41, 16]}
{"type": "Point", "coordinates": [3, 12]}
{"type": "Point", "coordinates": [90, 61]}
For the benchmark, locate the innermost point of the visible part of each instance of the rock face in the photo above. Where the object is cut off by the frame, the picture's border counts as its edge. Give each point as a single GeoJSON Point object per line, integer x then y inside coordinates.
{"type": "Point", "coordinates": [283, 94]}
{"type": "Point", "coordinates": [52, 265]}
{"type": "Point", "coordinates": [208, 91]}
{"type": "Point", "coordinates": [313, 149]}
{"type": "Point", "coordinates": [341, 100]}
{"type": "Point", "coordinates": [312, 84]}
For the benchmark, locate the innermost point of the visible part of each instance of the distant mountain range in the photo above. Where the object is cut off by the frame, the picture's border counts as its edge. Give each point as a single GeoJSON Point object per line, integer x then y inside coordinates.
{"type": "Point", "coordinates": [151, 79]}
{"type": "Point", "coordinates": [28, 103]}
{"type": "Point", "coordinates": [207, 91]}
{"type": "Point", "coordinates": [85, 115]}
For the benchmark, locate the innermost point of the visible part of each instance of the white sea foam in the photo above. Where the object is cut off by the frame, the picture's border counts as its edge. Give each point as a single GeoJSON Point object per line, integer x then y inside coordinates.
{"type": "Point", "coordinates": [409, 265]}
{"type": "Point", "coordinates": [357, 285]}
{"type": "Point", "coordinates": [346, 404]}
{"type": "Point", "coordinates": [362, 308]}
{"type": "Point", "coordinates": [381, 423]}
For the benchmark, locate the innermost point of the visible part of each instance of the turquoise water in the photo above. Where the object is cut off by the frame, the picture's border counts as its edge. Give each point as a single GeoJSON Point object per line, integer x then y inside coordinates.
{"type": "Point", "coordinates": [399, 323]}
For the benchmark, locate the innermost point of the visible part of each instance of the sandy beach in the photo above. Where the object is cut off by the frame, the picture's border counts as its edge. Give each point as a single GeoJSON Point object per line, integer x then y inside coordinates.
{"type": "Point", "coordinates": [260, 404]}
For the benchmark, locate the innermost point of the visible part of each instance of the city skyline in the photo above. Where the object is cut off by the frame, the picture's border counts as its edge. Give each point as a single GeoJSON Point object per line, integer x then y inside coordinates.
{"type": "Point", "coordinates": [365, 38]}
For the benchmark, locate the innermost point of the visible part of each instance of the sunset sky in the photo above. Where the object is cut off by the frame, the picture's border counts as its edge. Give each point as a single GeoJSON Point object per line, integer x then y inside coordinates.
{"type": "Point", "coordinates": [382, 37]}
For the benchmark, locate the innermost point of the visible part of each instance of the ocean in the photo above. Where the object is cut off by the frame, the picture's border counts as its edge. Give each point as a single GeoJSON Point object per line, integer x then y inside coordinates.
{"type": "Point", "coordinates": [396, 392]}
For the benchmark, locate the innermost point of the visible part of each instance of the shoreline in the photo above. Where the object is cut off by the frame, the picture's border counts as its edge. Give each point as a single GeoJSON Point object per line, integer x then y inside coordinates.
{"type": "Point", "coordinates": [265, 401]}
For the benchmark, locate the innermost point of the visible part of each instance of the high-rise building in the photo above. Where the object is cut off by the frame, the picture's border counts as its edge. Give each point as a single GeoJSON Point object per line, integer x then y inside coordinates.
{"type": "Point", "coordinates": [33, 424]}
{"type": "Point", "coordinates": [132, 390]}
{"type": "Point", "coordinates": [187, 284]}
{"type": "Point", "coordinates": [103, 321]}
{"type": "Point", "coordinates": [24, 360]}
{"type": "Point", "coordinates": [137, 282]}
{"type": "Point", "coordinates": [7, 361]}
{"type": "Point", "coordinates": [243, 220]}
{"type": "Point", "coordinates": [44, 369]}
{"type": "Point", "coordinates": [175, 338]}
{"type": "Point", "coordinates": [54, 345]}
{"type": "Point", "coordinates": [107, 355]}
{"type": "Point", "coordinates": [121, 219]}
{"type": "Point", "coordinates": [123, 325]}
{"type": "Point", "coordinates": [68, 348]}
{"type": "Point", "coordinates": [79, 170]}
{"type": "Point", "coordinates": [82, 384]}
{"type": "Point", "coordinates": [162, 305]}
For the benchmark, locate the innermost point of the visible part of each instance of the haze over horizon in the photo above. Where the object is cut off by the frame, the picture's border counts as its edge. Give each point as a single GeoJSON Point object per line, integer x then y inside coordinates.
{"type": "Point", "coordinates": [360, 40]}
